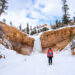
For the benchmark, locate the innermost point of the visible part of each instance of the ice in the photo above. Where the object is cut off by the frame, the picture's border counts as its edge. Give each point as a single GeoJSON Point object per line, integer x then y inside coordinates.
{"type": "Point", "coordinates": [37, 45]}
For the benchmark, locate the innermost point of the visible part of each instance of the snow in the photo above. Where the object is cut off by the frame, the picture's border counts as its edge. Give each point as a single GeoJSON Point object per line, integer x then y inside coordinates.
{"type": "Point", "coordinates": [6, 42]}
{"type": "Point", "coordinates": [37, 63]}
{"type": "Point", "coordinates": [67, 26]}
{"type": "Point", "coordinates": [37, 45]}
{"type": "Point", "coordinates": [16, 64]}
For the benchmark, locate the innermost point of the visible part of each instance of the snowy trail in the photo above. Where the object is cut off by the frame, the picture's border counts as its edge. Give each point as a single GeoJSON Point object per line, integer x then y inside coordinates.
{"type": "Point", "coordinates": [38, 65]}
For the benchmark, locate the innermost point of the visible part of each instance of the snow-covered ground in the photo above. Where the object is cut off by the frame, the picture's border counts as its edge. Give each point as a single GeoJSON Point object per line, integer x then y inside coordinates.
{"type": "Point", "coordinates": [16, 64]}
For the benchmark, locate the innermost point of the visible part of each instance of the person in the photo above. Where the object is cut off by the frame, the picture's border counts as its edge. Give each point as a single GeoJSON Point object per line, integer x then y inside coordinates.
{"type": "Point", "coordinates": [50, 56]}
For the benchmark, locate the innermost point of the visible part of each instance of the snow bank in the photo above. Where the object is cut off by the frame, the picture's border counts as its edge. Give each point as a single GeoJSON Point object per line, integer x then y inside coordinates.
{"type": "Point", "coordinates": [6, 52]}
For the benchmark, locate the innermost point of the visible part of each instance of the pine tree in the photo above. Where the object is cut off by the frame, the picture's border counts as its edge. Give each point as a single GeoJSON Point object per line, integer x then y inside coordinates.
{"type": "Point", "coordinates": [35, 31]}
{"type": "Point", "coordinates": [27, 28]}
{"type": "Point", "coordinates": [57, 23]}
{"type": "Point", "coordinates": [38, 31]}
{"type": "Point", "coordinates": [11, 23]}
{"type": "Point", "coordinates": [74, 19]}
{"type": "Point", "coordinates": [3, 6]}
{"type": "Point", "coordinates": [65, 8]}
{"type": "Point", "coordinates": [20, 28]}
{"type": "Point", "coordinates": [4, 20]}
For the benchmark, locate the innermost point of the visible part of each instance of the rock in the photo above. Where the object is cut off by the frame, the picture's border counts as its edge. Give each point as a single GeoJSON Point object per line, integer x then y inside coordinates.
{"type": "Point", "coordinates": [7, 44]}
{"type": "Point", "coordinates": [61, 45]}
{"type": "Point", "coordinates": [1, 41]}
{"type": "Point", "coordinates": [56, 39]}
{"type": "Point", "coordinates": [18, 39]}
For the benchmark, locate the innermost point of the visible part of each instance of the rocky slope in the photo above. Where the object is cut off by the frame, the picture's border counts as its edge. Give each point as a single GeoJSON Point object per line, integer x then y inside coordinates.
{"type": "Point", "coordinates": [18, 40]}
{"type": "Point", "coordinates": [57, 39]}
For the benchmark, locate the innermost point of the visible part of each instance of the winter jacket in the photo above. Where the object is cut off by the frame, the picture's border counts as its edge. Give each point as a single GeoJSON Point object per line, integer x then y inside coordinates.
{"type": "Point", "coordinates": [48, 53]}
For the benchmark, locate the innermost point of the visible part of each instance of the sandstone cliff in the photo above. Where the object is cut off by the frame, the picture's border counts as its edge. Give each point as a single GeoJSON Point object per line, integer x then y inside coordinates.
{"type": "Point", "coordinates": [56, 39]}
{"type": "Point", "coordinates": [19, 41]}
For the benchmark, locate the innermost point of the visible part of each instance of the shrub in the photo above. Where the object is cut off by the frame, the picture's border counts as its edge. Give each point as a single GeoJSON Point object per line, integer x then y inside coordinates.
{"type": "Point", "coordinates": [71, 36]}
{"type": "Point", "coordinates": [44, 29]}
{"type": "Point", "coordinates": [32, 33]}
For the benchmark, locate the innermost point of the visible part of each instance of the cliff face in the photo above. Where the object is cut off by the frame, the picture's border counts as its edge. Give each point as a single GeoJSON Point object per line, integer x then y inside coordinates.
{"type": "Point", "coordinates": [57, 39]}
{"type": "Point", "coordinates": [19, 41]}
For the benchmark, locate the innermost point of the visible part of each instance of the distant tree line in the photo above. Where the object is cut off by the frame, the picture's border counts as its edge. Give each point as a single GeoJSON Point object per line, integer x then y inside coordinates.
{"type": "Point", "coordinates": [65, 18]}
{"type": "Point", "coordinates": [29, 30]}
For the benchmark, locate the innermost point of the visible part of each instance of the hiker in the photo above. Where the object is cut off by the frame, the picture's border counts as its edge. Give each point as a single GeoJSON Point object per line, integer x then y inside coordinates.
{"type": "Point", "coordinates": [50, 56]}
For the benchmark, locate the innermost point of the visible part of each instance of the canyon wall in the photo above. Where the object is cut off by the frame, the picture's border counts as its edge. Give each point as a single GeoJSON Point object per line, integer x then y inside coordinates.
{"type": "Point", "coordinates": [57, 39]}
{"type": "Point", "coordinates": [20, 41]}
{"type": "Point", "coordinates": [14, 39]}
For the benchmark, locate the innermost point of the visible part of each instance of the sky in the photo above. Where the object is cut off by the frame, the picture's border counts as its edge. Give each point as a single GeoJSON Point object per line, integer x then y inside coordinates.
{"type": "Point", "coordinates": [35, 12]}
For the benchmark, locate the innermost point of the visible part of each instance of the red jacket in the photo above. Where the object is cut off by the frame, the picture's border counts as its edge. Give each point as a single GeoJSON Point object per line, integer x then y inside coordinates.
{"type": "Point", "coordinates": [48, 53]}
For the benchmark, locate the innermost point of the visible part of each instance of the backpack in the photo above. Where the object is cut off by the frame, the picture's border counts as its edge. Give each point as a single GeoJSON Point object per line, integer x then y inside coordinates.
{"type": "Point", "coordinates": [50, 53]}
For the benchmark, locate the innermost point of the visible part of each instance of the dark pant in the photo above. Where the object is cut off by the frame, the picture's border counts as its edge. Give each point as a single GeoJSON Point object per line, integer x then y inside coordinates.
{"type": "Point", "coordinates": [50, 60]}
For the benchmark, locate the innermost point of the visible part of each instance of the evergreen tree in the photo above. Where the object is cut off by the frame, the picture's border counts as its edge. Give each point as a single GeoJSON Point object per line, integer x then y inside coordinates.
{"type": "Point", "coordinates": [4, 20]}
{"type": "Point", "coordinates": [11, 23]}
{"type": "Point", "coordinates": [57, 23]}
{"type": "Point", "coordinates": [37, 27]}
{"type": "Point", "coordinates": [35, 31]}
{"type": "Point", "coordinates": [74, 19]}
{"type": "Point", "coordinates": [38, 31]}
{"type": "Point", "coordinates": [65, 8]}
{"type": "Point", "coordinates": [20, 28]}
{"type": "Point", "coordinates": [44, 29]}
{"type": "Point", "coordinates": [3, 6]}
{"type": "Point", "coordinates": [27, 28]}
